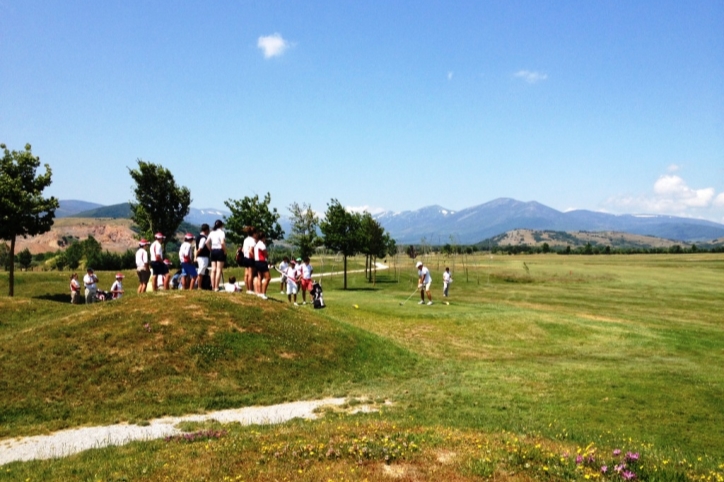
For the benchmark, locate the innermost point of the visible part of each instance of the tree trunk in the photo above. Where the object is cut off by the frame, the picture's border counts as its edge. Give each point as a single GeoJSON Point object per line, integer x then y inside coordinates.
{"type": "Point", "coordinates": [11, 274]}
{"type": "Point", "coordinates": [345, 272]}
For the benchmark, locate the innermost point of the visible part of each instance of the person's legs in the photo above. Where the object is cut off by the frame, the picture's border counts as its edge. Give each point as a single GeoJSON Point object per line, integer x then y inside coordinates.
{"type": "Point", "coordinates": [265, 282]}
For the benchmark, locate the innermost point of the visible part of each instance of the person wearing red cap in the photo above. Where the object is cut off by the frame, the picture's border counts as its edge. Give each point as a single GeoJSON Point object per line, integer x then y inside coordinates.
{"type": "Point", "coordinates": [157, 264]}
{"type": "Point", "coordinates": [186, 255]}
{"type": "Point", "coordinates": [142, 268]}
{"type": "Point", "coordinates": [117, 286]}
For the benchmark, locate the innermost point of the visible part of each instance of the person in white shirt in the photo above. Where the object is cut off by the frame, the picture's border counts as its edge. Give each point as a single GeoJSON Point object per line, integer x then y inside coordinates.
{"type": "Point", "coordinates": [423, 283]}
{"type": "Point", "coordinates": [292, 278]}
{"type": "Point", "coordinates": [446, 280]}
{"type": "Point", "coordinates": [142, 267]}
{"type": "Point", "coordinates": [217, 244]}
{"type": "Point", "coordinates": [89, 281]}
{"type": "Point", "coordinates": [249, 263]}
{"type": "Point", "coordinates": [74, 289]}
{"type": "Point", "coordinates": [117, 287]}
{"type": "Point", "coordinates": [306, 270]}
{"type": "Point", "coordinates": [186, 256]}
{"type": "Point", "coordinates": [157, 264]}
{"type": "Point", "coordinates": [261, 263]}
{"type": "Point", "coordinates": [282, 268]}
{"type": "Point", "coordinates": [232, 286]}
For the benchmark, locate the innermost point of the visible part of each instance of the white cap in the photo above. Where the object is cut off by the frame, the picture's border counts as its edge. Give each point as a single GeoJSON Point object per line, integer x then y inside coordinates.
{"type": "Point", "coordinates": [419, 263]}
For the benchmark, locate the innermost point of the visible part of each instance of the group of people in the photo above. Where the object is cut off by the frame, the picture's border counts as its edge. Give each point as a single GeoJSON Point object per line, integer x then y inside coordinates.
{"type": "Point", "coordinates": [296, 276]}
{"type": "Point", "coordinates": [424, 280]}
{"type": "Point", "coordinates": [91, 292]}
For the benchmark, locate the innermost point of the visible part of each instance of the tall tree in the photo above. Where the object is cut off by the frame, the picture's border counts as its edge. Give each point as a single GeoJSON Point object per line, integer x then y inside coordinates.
{"type": "Point", "coordinates": [249, 211]}
{"type": "Point", "coordinates": [304, 229]}
{"type": "Point", "coordinates": [25, 259]}
{"type": "Point", "coordinates": [23, 209]}
{"type": "Point", "coordinates": [373, 242]}
{"type": "Point", "coordinates": [341, 231]}
{"type": "Point", "coordinates": [161, 204]}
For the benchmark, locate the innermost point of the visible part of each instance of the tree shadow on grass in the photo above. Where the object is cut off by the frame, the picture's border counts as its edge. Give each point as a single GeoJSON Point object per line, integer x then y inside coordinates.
{"type": "Point", "coordinates": [58, 297]}
{"type": "Point", "coordinates": [362, 289]}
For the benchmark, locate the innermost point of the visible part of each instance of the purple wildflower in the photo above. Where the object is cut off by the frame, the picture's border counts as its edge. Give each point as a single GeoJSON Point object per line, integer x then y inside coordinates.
{"type": "Point", "coordinates": [604, 469]}
{"type": "Point", "coordinates": [619, 468]}
{"type": "Point", "coordinates": [632, 456]}
{"type": "Point", "coordinates": [579, 459]}
{"type": "Point", "coordinates": [628, 475]}
{"type": "Point", "coordinates": [617, 452]}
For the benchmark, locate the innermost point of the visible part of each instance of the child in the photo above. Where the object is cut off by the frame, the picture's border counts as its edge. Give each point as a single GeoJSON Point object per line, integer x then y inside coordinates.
{"type": "Point", "coordinates": [292, 276]}
{"type": "Point", "coordinates": [186, 255]}
{"type": "Point", "coordinates": [307, 270]}
{"type": "Point", "coordinates": [74, 289]}
{"type": "Point", "coordinates": [446, 280]}
{"type": "Point", "coordinates": [283, 267]}
{"type": "Point", "coordinates": [117, 287]}
{"type": "Point", "coordinates": [232, 286]}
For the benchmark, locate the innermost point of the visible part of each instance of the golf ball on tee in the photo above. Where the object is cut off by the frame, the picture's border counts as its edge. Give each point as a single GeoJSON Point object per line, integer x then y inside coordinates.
{"type": "Point", "coordinates": [356, 306]}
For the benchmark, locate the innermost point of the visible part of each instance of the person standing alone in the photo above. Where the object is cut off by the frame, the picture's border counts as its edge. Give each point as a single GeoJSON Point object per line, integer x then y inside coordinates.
{"type": "Point", "coordinates": [424, 280]}
{"type": "Point", "coordinates": [446, 280]}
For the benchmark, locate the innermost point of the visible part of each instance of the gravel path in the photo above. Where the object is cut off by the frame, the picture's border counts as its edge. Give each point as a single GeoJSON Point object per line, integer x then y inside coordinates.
{"type": "Point", "coordinates": [72, 441]}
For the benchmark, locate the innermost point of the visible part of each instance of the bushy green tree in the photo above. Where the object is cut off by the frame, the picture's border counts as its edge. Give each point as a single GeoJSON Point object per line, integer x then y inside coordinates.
{"type": "Point", "coordinates": [373, 241]}
{"type": "Point", "coordinates": [161, 204]}
{"type": "Point", "coordinates": [250, 211]}
{"type": "Point", "coordinates": [342, 232]}
{"type": "Point", "coordinates": [25, 258]}
{"type": "Point", "coordinates": [304, 229]}
{"type": "Point", "coordinates": [23, 209]}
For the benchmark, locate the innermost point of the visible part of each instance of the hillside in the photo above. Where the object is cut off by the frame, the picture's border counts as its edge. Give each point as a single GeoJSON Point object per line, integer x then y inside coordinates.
{"type": "Point", "coordinates": [122, 210]}
{"type": "Point", "coordinates": [561, 239]}
{"type": "Point", "coordinates": [115, 235]}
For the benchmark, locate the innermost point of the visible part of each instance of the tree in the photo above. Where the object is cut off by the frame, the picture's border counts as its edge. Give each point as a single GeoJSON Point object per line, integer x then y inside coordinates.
{"type": "Point", "coordinates": [25, 259]}
{"type": "Point", "coordinates": [4, 256]}
{"type": "Point", "coordinates": [161, 204]}
{"type": "Point", "coordinates": [341, 231]}
{"type": "Point", "coordinates": [304, 229]}
{"type": "Point", "coordinates": [23, 209]}
{"type": "Point", "coordinates": [546, 248]}
{"type": "Point", "coordinates": [252, 212]}
{"type": "Point", "coordinates": [373, 241]}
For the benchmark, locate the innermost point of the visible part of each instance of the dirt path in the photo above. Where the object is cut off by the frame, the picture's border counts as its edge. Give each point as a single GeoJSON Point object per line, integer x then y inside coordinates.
{"type": "Point", "coordinates": [72, 441]}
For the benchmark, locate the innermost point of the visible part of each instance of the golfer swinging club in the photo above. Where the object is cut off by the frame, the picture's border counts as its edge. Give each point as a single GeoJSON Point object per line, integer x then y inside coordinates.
{"type": "Point", "coordinates": [424, 282]}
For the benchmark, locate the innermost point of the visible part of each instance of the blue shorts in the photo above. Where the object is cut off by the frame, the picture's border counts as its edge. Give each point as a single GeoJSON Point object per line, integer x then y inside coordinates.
{"type": "Point", "coordinates": [188, 269]}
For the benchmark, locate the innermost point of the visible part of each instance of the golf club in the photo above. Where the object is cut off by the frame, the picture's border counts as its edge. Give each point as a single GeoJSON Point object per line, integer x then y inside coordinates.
{"type": "Point", "coordinates": [408, 298]}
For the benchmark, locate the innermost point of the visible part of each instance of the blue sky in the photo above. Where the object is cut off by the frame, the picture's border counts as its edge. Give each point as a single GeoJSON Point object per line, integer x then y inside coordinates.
{"type": "Point", "coordinates": [606, 105]}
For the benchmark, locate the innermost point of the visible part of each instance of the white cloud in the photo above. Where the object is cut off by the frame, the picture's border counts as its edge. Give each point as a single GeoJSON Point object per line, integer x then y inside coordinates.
{"type": "Point", "coordinates": [671, 195]}
{"type": "Point", "coordinates": [673, 168]}
{"type": "Point", "coordinates": [450, 75]}
{"type": "Point", "coordinates": [531, 77]}
{"type": "Point", "coordinates": [272, 45]}
{"type": "Point", "coordinates": [362, 209]}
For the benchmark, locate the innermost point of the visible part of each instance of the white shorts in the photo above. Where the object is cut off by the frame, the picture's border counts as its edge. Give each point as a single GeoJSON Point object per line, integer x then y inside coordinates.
{"type": "Point", "coordinates": [427, 285]}
{"type": "Point", "coordinates": [292, 288]}
{"type": "Point", "coordinates": [203, 265]}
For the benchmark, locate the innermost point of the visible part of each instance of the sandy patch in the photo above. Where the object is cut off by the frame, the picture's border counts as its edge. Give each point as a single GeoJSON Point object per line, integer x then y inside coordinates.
{"type": "Point", "coordinates": [68, 442]}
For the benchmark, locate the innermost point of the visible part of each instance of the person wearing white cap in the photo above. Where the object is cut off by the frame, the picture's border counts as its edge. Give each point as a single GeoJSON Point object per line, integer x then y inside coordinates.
{"type": "Point", "coordinates": [142, 268]}
{"type": "Point", "coordinates": [424, 282]}
{"type": "Point", "coordinates": [446, 280]}
{"type": "Point", "coordinates": [186, 255]}
{"type": "Point", "coordinates": [89, 281]}
{"type": "Point", "coordinates": [117, 286]}
{"type": "Point", "coordinates": [157, 264]}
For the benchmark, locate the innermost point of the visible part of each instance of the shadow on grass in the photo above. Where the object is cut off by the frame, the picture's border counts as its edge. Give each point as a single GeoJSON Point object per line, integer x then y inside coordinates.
{"type": "Point", "coordinates": [58, 297]}
{"type": "Point", "coordinates": [370, 288]}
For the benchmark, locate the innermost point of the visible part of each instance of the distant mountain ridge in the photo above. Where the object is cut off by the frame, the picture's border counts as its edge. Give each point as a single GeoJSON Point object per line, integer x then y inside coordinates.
{"type": "Point", "coordinates": [439, 225]}
{"type": "Point", "coordinates": [471, 225]}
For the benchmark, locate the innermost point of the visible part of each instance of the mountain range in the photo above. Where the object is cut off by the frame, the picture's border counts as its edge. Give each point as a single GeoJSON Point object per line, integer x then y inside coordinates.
{"type": "Point", "coordinates": [439, 225]}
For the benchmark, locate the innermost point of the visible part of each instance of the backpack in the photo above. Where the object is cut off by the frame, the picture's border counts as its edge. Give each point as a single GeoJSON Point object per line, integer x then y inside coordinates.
{"type": "Point", "coordinates": [240, 256]}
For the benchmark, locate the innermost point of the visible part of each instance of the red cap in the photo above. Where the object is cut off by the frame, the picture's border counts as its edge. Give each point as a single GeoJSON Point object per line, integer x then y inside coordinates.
{"type": "Point", "coordinates": [189, 236]}
{"type": "Point", "coordinates": [119, 275]}
{"type": "Point", "coordinates": [159, 236]}
{"type": "Point", "coordinates": [167, 261]}
{"type": "Point", "coordinates": [143, 242]}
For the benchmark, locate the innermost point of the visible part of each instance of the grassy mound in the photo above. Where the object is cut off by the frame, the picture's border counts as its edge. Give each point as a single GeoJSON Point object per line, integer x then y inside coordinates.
{"type": "Point", "coordinates": [147, 356]}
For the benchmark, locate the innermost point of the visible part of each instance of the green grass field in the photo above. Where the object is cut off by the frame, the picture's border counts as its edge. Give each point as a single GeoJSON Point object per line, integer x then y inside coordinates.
{"type": "Point", "coordinates": [535, 356]}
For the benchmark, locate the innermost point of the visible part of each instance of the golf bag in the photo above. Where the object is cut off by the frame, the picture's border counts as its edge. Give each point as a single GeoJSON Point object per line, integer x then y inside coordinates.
{"type": "Point", "coordinates": [103, 295]}
{"type": "Point", "coordinates": [317, 297]}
